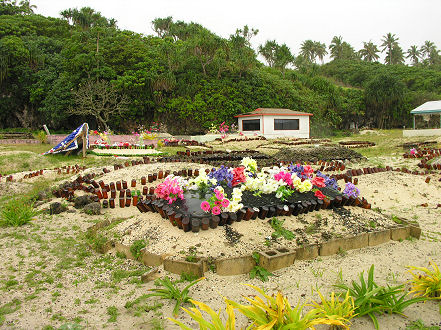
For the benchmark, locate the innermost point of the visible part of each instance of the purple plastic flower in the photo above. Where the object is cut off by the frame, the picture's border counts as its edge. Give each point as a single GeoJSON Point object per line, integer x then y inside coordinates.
{"type": "Point", "coordinates": [222, 175]}
{"type": "Point", "coordinates": [351, 190]}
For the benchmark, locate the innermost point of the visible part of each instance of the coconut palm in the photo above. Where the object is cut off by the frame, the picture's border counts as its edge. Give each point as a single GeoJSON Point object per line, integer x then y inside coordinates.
{"type": "Point", "coordinates": [336, 48]}
{"type": "Point", "coordinates": [307, 50]}
{"type": "Point", "coordinates": [389, 41]}
{"type": "Point", "coordinates": [430, 52]}
{"type": "Point", "coordinates": [414, 54]}
{"type": "Point", "coordinates": [319, 50]}
{"type": "Point", "coordinates": [369, 52]}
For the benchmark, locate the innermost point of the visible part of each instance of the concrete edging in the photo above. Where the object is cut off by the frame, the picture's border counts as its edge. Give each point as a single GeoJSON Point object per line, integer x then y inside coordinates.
{"type": "Point", "coordinates": [271, 260]}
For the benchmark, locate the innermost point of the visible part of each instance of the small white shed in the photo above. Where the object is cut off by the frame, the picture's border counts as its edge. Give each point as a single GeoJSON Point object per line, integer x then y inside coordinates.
{"type": "Point", "coordinates": [273, 123]}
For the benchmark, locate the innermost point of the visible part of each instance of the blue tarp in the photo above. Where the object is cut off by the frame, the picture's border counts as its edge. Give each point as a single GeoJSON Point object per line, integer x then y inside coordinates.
{"type": "Point", "coordinates": [70, 142]}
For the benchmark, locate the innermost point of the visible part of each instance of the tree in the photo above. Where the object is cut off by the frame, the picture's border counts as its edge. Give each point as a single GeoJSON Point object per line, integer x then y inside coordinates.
{"type": "Point", "coordinates": [162, 26]}
{"type": "Point", "coordinates": [268, 51]}
{"type": "Point", "coordinates": [336, 48]}
{"type": "Point", "coordinates": [390, 41]}
{"type": "Point", "coordinates": [99, 99]}
{"type": "Point", "coordinates": [369, 52]}
{"type": "Point", "coordinates": [283, 58]}
{"type": "Point", "coordinates": [86, 17]}
{"type": "Point", "coordinates": [204, 46]}
{"type": "Point", "coordinates": [10, 7]}
{"type": "Point", "coordinates": [310, 50]}
{"type": "Point", "coordinates": [320, 50]}
{"type": "Point", "coordinates": [430, 53]}
{"type": "Point", "coordinates": [243, 57]}
{"type": "Point", "coordinates": [384, 96]}
{"type": "Point", "coordinates": [414, 54]}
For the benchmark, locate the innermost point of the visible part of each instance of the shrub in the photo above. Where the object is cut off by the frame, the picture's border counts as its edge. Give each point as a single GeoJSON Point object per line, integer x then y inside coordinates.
{"type": "Point", "coordinates": [427, 284]}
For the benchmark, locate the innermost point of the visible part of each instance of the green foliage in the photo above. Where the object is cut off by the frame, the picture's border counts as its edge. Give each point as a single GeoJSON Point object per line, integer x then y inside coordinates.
{"type": "Point", "coordinates": [17, 212]}
{"type": "Point", "coordinates": [169, 290]}
{"type": "Point", "coordinates": [279, 231]}
{"type": "Point", "coordinates": [258, 271]}
{"type": "Point", "coordinates": [96, 241]}
{"type": "Point", "coordinates": [112, 311]}
{"type": "Point", "coordinates": [216, 322]}
{"type": "Point", "coordinates": [427, 283]}
{"type": "Point", "coordinates": [9, 308]}
{"type": "Point", "coordinates": [371, 299]}
{"type": "Point", "coordinates": [136, 248]}
{"type": "Point", "coordinates": [419, 325]}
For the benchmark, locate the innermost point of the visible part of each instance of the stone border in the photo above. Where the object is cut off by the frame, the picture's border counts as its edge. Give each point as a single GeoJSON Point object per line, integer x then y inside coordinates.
{"type": "Point", "coordinates": [271, 260]}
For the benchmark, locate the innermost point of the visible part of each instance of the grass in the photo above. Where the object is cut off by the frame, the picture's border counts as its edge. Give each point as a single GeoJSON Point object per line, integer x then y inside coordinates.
{"type": "Point", "coordinates": [16, 212]}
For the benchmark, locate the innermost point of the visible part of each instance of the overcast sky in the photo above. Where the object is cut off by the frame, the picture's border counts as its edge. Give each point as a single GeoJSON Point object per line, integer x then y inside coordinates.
{"type": "Point", "coordinates": [290, 22]}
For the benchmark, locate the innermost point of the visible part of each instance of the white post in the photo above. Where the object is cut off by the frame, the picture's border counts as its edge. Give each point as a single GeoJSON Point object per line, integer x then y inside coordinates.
{"type": "Point", "coordinates": [413, 121]}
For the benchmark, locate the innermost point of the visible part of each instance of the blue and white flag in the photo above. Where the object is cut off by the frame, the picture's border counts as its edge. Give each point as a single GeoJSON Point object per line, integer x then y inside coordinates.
{"type": "Point", "coordinates": [71, 141]}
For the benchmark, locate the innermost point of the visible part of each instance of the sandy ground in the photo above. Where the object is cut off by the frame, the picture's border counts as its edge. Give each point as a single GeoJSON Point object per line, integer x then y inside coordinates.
{"type": "Point", "coordinates": [57, 279]}
{"type": "Point", "coordinates": [125, 152]}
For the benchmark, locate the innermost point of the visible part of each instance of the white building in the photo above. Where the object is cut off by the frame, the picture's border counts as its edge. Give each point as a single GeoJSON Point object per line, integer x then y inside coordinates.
{"type": "Point", "coordinates": [273, 123]}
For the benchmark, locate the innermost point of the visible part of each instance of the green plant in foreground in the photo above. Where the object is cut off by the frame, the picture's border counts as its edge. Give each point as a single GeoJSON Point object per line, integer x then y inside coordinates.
{"type": "Point", "coordinates": [136, 248]}
{"type": "Point", "coordinates": [279, 231]}
{"type": "Point", "coordinates": [419, 325]}
{"type": "Point", "coordinates": [427, 284]}
{"type": "Point", "coordinates": [216, 322]}
{"type": "Point", "coordinates": [371, 299]}
{"type": "Point", "coordinates": [17, 212]}
{"type": "Point", "coordinates": [112, 311]}
{"type": "Point", "coordinates": [337, 308]}
{"type": "Point", "coordinates": [277, 313]}
{"type": "Point", "coordinates": [170, 291]}
{"type": "Point", "coordinates": [9, 308]}
{"type": "Point", "coordinates": [259, 271]}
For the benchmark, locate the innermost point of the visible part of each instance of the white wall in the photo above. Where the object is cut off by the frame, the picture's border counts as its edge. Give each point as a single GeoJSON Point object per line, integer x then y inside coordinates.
{"type": "Point", "coordinates": [267, 129]}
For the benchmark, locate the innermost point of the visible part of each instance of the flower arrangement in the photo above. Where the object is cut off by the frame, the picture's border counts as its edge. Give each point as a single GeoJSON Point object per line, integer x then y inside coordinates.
{"type": "Point", "coordinates": [282, 181]}
{"type": "Point", "coordinates": [171, 189]}
{"type": "Point", "coordinates": [216, 203]}
{"type": "Point", "coordinates": [223, 129]}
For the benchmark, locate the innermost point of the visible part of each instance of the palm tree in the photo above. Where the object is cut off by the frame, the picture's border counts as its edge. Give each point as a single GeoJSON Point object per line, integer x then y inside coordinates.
{"type": "Point", "coordinates": [427, 48]}
{"type": "Point", "coordinates": [369, 52]}
{"type": "Point", "coordinates": [389, 41]}
{"type": "Point", "coordinates": [414, 54]}
{"type": "Point", "coordinates": [336, 48]}
{"type": "Point", "coordinates": [320, 50]}
{"type": "Point", "coordinates": [307, 50]}
{"type": "Point", "coordinates": [430, 52]}
{"type": "Point", "coordinates": [397, 55]}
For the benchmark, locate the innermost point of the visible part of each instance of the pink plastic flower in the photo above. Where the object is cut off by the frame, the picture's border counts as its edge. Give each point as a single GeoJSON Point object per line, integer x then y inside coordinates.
{"type": "Point", "coordinates": [225, 202]}
{"type": "Point", "coordinates": [205, 206]}
{"type": "Point", "coordinates": [217, 203]}
{"type": "Point", "coordinates": [216, 210]}
{"type": "Point", "coordinates": [219, 195]}
{"type": "Point", "coordinates": [308, 170]}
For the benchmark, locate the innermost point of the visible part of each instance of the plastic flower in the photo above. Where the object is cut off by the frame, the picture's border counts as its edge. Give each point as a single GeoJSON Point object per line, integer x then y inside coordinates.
{"type": "Point", "coordinates": [351, 190]}
{"type": "Point", "coordinates": [319, 182]}
{"type": "Point", "coordinates": [225, 202]}
{"type": "Point", "coordinates": [413, 151]}
{"type": "Point", "coordinates": [205, 206]}
{"type": "Point", "coordinates": [319, 194]}
{"type": "Point", "coordinates": [216, 210]}
{"type": "Point", "coordinates": [249, 163]}
{"type": "Point", "coordinates": [305, 186]}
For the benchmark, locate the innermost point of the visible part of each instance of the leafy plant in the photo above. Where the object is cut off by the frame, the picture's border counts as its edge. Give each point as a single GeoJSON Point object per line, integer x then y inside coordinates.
{"type": "Point", "coordinates": [277, 313]}
{"type": "Point", "coordinates": [279, 231]}
{"type": "Point", "coordinates": [336, 308]}
{"type": "Point", "coordinates": [427, 284]}
{"type": "Point", "coordinates": [170, 291]}
{"type": "Point", "coordinates": [136, 248]}
{"type": "Point", "coordinates": [419, 325]}
{"type": "Point", "coordinates": [17, 212]}
{"type": "Point", "coordinates": [112, 311]}
{"type": "Point", "coordinates": [41, 136]}
{"type": "Point", "coordinates": [259, 271]}
{"type": "Point", "coordinates": [191, 257]}
{"type": "Point", "coordinates": [215, 323]}
{"type": "Point", "coordinates": [370, 298]}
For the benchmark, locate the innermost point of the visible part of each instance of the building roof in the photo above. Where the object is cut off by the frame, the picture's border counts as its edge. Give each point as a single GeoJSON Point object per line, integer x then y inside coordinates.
{"type": "Point", "coordinates": [274, 111]}
{"type": "Point", "coordinates": [427, 108]}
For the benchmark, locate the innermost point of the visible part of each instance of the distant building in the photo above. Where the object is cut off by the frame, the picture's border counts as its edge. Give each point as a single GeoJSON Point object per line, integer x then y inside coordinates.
{"type": "Point", "coordinates": [273, 123]}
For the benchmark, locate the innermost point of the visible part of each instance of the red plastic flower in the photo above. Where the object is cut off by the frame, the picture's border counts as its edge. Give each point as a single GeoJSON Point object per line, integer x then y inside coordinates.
{"type": "Point", "coordinates": [319, 194]}
{"type": "Point", "coordinates": [318, 181]}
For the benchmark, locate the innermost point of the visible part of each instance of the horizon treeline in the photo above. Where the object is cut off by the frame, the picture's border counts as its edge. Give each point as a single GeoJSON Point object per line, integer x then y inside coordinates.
{"type": "Point", "coordinates": [81, 67]}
